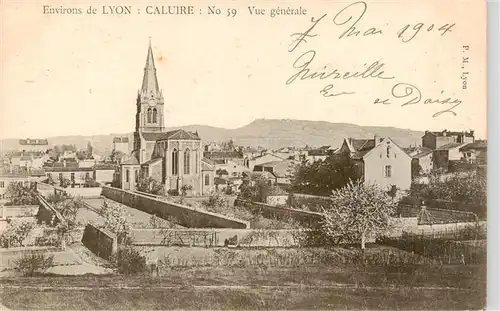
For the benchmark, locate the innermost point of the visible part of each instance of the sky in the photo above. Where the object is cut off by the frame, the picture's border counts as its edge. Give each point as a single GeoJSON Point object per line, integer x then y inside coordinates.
{"type": "Point", "coordinates": [79, 74]}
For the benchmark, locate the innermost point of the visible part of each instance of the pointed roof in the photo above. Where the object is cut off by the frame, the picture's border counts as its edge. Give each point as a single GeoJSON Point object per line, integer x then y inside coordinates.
{"type": "Point", "coordinates": [150, 81]}
{"type": "Point", "coordinates": [179, 134]}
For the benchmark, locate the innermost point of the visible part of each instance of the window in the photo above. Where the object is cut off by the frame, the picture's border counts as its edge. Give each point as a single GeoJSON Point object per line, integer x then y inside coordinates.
{"type": "Point", "coordinates": [127, 175]}
{"type": "Point", "coordinates": [2, 184]}
{"type": "Point", "coordinates": [388, 151]}
{"type": "Point", "coordinates": [197, 160]}
{"type": "Point", "coordinates": [72, 176]}
{"type": "Point", "coordinates": [207, 180]}
{"type": "Point", "coordinates": [87, 175]}
{"type": "Point", "coordinates": [60, 175]}
{"type": "Point", "coordinates": [49, 175]}
{"type": "Point", "coordinates": [175, 162]}
{"type": "Point", "coordinates": [136, 172]}
{"type": "Point", "coordinates": [155, 116]}
{"type": "Point", "coordinates": [388, 171]}
{"type": "Point", "coordinates": [187, 163]}
{"type": "Point", "coordinates": [149, 115]}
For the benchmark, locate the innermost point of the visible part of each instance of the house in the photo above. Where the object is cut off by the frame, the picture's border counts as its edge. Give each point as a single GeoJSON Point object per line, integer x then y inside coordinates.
{"type": "Point", "coordinates": [10, 174]}
{"type": "Point", "coordinates": [208, 173]}
{"type": "Point", "coordinates": [230, 168]}
{"type": "Point", "coordinates": [319, 154]}
{"type": "Point", "coordinates": [222, 157]}
{"type": "Point", "coordinates": [475, 152]}
{"type": "Point", "coordinates": [121, 144]}
{"type": "Point", "coordinates": [422, 160]}
{"type": "Point", "coordinates": [267, 176]}
{"type": "Point", "coordinates": [33, 144]}
{"type": "Point", "coordinates": [380, 161]}
{"type": "Point", "coordinates": [104, 173]}
{"type": "Point", "coordinates": [446, 153]}
{"type": "Point", "coordinates": [435, 140]}
{"type": "Point", "coordinates": [76, 175]}
{"type": "Point", "coordinates": [281, 170]}
{"type": "Point", "coordinates": [264, 158]}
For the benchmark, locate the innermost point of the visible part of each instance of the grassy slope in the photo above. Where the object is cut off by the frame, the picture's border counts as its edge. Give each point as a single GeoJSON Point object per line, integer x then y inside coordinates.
{"type": "Point", "coordinates": [447, 287]}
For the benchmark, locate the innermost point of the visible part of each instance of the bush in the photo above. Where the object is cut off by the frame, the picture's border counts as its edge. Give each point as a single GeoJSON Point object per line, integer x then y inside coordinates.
{"type": "Point", "coordinates": [129, 261]}
{"type": "Point", "coordinates": [33, 263]}
{"type": "Point", "coordinates": [16, 234]}
{"type": "Point", "coordinates": [19, 194]}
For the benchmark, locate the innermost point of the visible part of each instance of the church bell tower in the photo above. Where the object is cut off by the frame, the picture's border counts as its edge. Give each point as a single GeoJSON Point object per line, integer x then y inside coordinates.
{"type": "Point", "coordinates": [150, 102]}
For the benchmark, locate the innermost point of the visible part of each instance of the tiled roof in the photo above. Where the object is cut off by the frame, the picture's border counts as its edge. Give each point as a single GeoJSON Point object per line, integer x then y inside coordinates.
{"type": "Point", "coordinates": [206, 166]}
{"type": "Point", "coordinates": [152, 161]}
{"type": "Point", "coordinates": [417, 152]}
{"type": "Point", "coordinates": [179, 134]}
{"type": "Point", "coordinates": [33, 142]}
{"type": "Point", "coordinates": [280, 168]}
{"type": "Point", "coordinates": [449, 146]}
{"type": "Point", "coordinates": [222, 155]}
{"type": "Point", "coordinates": [131, 161]}
{"type": "Point", "coordinates": [480, 144]}
{"type": "Point", "coordinates": [448, 133]}
{"type": "Point", "coordinates": [68, 169]}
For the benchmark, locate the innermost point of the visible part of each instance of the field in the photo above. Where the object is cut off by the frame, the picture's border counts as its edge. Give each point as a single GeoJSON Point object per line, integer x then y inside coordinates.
{"type": "Point", "coordinates": [307, 287]}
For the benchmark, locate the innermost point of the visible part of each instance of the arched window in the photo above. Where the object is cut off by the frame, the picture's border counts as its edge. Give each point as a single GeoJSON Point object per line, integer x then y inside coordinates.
{"type": "Point", "coordinates": [175, 162]}
{"type": "Point", "coordinates": [207, 180]}
{"type": "Point", "coordinates": [155, 116]}
{"type": "Point", "coordinates": [187, 161]}
{"type": "Point", "coordinates": [197, 160]}
{"type": "Point", "coordinates": [149, 115]}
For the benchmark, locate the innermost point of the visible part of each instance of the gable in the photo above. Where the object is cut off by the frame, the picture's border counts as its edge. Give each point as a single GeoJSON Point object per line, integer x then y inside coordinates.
{"type": "Point", "coordinates": [381, 150]}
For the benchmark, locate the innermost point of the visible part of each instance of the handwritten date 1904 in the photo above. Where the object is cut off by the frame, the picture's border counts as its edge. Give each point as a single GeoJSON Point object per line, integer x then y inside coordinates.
{"type": "Point", "coordinates": [409, 94]}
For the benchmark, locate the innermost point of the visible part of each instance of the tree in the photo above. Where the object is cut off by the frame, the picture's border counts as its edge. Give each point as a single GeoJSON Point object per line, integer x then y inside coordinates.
{"type": "Point", "coordinates": [65, 182]}
{"type": "Point", "coordinates": [460, 187]}
{"type": "Point", "coordinates": [228, 145]}
{"type": "Point", "coordinates": [16, 234]}
{"type": "Point", "coordinates": [150, 185]}
{"type": "Point", "coordinates": [255, 188]}
{"type": "Point", "coordinates": [19, 194]}
{"type": "Point", "coordinates": [322, 177]}
{"type": "Point", "coordinates": [89, 150]}
{"type": "Point", "coordinates": [116, 220]}
{"type": "Point", "coordinates": [116, 156]}
{"type": "Point", "coordinates": [358, 211]}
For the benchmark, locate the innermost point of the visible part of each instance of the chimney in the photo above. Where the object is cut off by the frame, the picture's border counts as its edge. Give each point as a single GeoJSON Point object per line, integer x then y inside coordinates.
{"type": "Point", "coordinates": [377, 139]}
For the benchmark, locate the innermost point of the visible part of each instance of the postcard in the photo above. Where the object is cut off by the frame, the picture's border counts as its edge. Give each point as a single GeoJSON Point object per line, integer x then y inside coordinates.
{"type": "Point", "coordinates": [252, 155]}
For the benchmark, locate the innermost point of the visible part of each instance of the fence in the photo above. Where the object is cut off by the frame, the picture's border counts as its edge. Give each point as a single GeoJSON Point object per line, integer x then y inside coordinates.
{"type": "Point", "coordinates": [435, 216]}
{"type": "Point", "coordinates": [184, 215]}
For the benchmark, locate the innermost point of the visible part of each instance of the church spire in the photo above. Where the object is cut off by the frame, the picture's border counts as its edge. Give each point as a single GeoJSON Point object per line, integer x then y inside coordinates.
{"type": "Point", "coordinates": [150, 82]}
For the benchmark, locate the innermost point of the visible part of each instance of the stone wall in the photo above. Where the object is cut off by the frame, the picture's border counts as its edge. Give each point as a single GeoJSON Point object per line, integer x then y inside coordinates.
{"type": "Point", "coordinates": [310, 219]}
{"type": "Point", "coordinates": [216, 237]}
{"type": "Point", "coordinates": [101, 242]}
{"type": "Point", "coordinates": [308, 202]}
{"type": "Point", "coordinates": [183, 215]}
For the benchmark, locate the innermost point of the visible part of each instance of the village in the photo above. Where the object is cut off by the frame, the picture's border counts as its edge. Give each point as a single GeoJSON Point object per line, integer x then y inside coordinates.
{"type": "Point", "coordinates": [220, 219]}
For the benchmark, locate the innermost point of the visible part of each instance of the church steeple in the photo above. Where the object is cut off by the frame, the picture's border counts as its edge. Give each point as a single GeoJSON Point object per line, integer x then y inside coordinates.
{"type": "Point", "coordinates": [150, 81]}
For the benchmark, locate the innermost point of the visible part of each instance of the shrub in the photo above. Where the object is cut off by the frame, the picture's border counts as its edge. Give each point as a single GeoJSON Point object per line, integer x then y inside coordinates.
{"type": "Point", "coordinates": [129, 261]}
{"type": "Point", "coordinates": [56, 198]}
{"type": "Point", "coordinates": [16, 234]}
{"type": "Point", "coordinates": [173, 192]}
{"type": "Point", "coordinates": [185, 189]}
{"type": "Point", "coordinates": [33, 263]}
{"type": "Point", "coordinates": [49, 238]}
{"type": "Point", "coordinates": [19, 194]}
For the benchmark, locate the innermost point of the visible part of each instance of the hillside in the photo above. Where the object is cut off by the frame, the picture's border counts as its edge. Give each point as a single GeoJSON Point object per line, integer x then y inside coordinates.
{"type": "Point", "coordinates": [268, 133]}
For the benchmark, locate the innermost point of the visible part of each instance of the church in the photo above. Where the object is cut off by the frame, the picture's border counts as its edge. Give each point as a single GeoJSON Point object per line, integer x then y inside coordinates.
{"type": "Point", "coordinates": [173, 158]}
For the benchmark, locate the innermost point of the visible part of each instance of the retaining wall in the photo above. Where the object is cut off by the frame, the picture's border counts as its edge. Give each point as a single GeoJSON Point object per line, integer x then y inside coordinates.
{"type": "Point", "coordinates": [216, 237]}
{"type": "Point", "coordinates": [101, 242]}
{"type": "Point", "coordinates": [183, 215]}
{"type": "Point", "coordinates": [311, 219]}
{"type": "Point", "coordinates": [307, 201]}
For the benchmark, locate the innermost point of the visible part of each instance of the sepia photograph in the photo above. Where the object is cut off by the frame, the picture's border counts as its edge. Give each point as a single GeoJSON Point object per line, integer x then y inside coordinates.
{"type": "Point", "coordinates": [238, 155]}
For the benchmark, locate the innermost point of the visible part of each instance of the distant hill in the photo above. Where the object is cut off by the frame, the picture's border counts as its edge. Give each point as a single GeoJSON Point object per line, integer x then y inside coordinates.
{"type": "Point", "coordinates": [268, 133]}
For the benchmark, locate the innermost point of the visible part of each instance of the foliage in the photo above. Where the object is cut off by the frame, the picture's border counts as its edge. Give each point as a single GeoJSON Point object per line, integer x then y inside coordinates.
{"type": "Point", "coordinates": [173, 192]}
{"type": "Point", "coordinates": [91, 183]}
{"type": "Point", "coordinates": [228, 145]}
{"type": "Point", "coordinates": [56, 197]}
{"type": "Point", "coordinates": [58, 151]}
{"type": "Point", "coordinates": [255, 189]}
{"type": "Point", "coordinates": [19, 194]}
{"type": "Point", "coordinates": [33, 263]}
{"type": "Point", "coordinates": [322, 177]}
{"type": "Point", "coordinates": [69, 209]}
{"type": "Point", "coordinates": [150, 185]}
{"type": "Point", "coordinates": [357, 211]}
{"type": "Point", "coordinates": [462, 187]}
{"type": "Point", "coordinates": [16, 234]}
{"type": "Point", "coordinates": [215, 202]}
{"type": "Point", "coordinates": [185, 189]}
{"type": "Point", "coordinates": [116, 220]}
{"type": "Point", "coordinates": [116, 156]}
{"type": "Point", "coordinates": [129, 261]}
{"type": "Point", "coordinates": [49, 238]}
{"type": "Point", "coordinates": [65, 182]}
